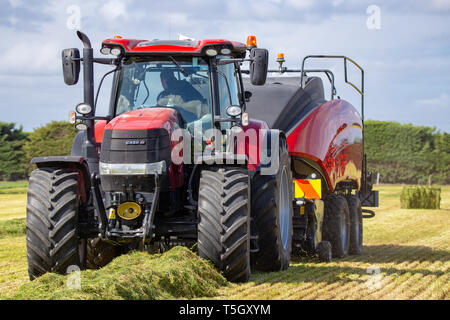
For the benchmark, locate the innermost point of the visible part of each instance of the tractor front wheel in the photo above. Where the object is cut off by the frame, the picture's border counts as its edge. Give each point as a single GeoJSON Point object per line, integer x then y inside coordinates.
{"type": "Point", "coordinates": [52, 221]}
{"type": "Point", "coordinates": [224, 226]}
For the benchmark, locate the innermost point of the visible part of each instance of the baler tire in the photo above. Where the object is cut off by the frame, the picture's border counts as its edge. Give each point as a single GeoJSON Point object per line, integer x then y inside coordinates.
{"type": "Point", "coordinates": [324, 251]}
{"type": "Point", "coordinates": [356, 224]}
{"type": "Point", "coordinates": [273, 255]}
{"type": "Point", "coordinates": [100, 253]}
{"type": "Point", "coordinates": [336, 225]}
{"type": "Point", "coordinates": [224, 226]}
{"type": "Point", "coordinates": [52, 221]}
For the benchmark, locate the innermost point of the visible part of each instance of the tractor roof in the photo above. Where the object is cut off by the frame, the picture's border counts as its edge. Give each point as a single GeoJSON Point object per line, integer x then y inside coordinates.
{"type": "Point", "coordinates": [176, 47]}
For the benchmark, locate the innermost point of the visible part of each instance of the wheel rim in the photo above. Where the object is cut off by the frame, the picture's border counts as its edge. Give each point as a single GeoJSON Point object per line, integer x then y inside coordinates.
{"type": "Point", "coordinates": [284, 207]}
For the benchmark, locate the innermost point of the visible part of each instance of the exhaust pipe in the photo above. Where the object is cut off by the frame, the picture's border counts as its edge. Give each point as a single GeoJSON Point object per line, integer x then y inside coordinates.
{"type": "Point", "coordinates": [89, 147]}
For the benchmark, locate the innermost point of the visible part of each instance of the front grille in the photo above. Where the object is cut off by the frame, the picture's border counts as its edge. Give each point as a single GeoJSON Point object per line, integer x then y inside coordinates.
{"type": "Point", "coordinates": [134, 146]}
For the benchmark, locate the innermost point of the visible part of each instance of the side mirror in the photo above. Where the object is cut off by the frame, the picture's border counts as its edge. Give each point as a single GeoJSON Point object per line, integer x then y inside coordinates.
{"type": "Point", "coordinates": [258, 66]}
{"type": "Point", "coordinates": [71, 65]}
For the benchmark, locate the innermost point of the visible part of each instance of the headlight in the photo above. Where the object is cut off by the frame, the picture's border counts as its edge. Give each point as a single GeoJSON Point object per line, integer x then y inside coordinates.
{"type": "Point", "coordinates": [225, 51]}
{"type": "Point", "coordinates": [105, 50]}
{"type": "Point", "coordinates": [83, 108]}
{"type": "Point", "coordinates": [234, 111]}
{"type": "Point", "coordinates": [116, 51]}
{"type": "Point", "coordinates": [211, 52]}
{"type": "Point", "coordinates": [132, 168]}
{"type": "Point", "coordinates": [81, 126]}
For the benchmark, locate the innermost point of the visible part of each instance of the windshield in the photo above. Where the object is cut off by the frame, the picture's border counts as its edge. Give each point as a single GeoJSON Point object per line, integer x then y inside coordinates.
{"type": "Point", "coordinates": [182, 84]}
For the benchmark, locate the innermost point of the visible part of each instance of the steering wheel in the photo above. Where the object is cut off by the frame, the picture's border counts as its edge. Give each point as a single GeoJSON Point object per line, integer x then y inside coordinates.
{"type": "Point", "coordinates": [163, 93]}
{"type": "Point", "coordinates": [187, 115]}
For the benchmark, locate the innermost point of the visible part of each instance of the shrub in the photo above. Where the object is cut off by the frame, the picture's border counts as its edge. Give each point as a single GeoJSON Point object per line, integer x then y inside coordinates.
{"type": "Point", "coordinates": [420, 197]}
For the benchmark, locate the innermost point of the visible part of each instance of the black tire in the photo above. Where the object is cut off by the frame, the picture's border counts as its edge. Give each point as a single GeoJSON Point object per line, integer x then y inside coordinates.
{"type": "Point", "coordinates": [52, 219]}
{"type": "Point", "coordinates": [274, 249]}
{"type": "Point", "coordinates": [356, 224]}
{"type": "Point", "coordinates": [336, 225]}
{"type": "Point", "coordinates": [324, 251]}
{"type": "Point", "coordinates": [224, 227]}
{"type": "Point", "coordinates": [100, 253]}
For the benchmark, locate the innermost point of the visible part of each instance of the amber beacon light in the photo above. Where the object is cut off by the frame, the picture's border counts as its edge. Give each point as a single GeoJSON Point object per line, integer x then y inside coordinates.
{"type": "Point", "coordinates": [251, 42]}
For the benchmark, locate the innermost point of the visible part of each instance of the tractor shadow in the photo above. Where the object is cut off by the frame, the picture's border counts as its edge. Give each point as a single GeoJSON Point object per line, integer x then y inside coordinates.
{"type": "Point", "coordinates": [391, 259]}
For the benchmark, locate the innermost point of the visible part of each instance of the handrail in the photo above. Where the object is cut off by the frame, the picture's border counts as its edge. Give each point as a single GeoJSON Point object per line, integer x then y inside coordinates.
{"type": "Point", "coordinates": [345, 58]}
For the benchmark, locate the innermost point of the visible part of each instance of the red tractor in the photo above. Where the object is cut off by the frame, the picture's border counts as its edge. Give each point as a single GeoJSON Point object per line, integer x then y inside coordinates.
{"type": "Point", "coordinates": [180, 159]}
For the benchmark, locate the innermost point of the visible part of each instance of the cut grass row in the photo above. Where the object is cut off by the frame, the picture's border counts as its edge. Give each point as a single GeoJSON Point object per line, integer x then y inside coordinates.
{"type": "Point", "coordinates": [176, 274]}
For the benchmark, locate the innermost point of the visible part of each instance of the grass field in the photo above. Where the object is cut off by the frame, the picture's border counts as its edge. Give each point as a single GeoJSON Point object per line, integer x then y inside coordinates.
{"type": "Point", "coordinates": [406, 256]}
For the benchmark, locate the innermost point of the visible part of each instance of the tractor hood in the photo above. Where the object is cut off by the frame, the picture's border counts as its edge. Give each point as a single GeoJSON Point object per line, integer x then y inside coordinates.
{"type": "Point", "coordinates": [145, 119]}
{"type": "Point", "coordinates": [133, 145]}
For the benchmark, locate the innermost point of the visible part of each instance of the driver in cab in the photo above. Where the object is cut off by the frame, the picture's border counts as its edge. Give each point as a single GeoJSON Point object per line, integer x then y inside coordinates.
{"type": "Point", "coordinates": [180, 93]}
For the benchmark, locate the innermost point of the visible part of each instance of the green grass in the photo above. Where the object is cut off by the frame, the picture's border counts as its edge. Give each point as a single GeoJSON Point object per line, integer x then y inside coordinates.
{"type": "Point", "coordinates": [176, 274]}
{"type": "Point", "coordinates": [13, 184]}
{"type": "Point", "coordinates": [13, 264]}
{"type": "Point", "coordinates": [12, 228]}
{"type": "Point", "coordinates": [411, 247]}
{"type": "Point", "coordinates": [12, 206]}
{"type": "Point", "coordinates": [13, 187]}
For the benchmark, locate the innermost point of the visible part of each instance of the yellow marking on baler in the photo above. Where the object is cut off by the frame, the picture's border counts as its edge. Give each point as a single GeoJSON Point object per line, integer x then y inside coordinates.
{"type": "Point", "coordinates": [308, 188]}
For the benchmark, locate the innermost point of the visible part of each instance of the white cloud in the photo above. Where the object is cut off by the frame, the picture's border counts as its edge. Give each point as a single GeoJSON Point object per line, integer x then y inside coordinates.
{"type": "Point", "coordinates": [442, 101]}
{"type": "Point", "coordinates": [15, 3]}
{"type": "Point", "coordinates": [112, 10]}
{"type": "Point", "coordinates": [441, 4]}
{"type": "Point", "coordinates": [27, 57]}
{"type": "Point", "coordinates": [300, 4]}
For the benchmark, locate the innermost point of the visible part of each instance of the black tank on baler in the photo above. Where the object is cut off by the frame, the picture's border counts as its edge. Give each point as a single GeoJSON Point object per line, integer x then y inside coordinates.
{"type": "Point", "coordinates": [282, 103]}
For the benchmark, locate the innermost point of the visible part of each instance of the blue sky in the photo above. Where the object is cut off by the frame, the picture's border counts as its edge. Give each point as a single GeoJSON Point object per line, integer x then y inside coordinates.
{"type": "Point", "coordinates": [405, 53]}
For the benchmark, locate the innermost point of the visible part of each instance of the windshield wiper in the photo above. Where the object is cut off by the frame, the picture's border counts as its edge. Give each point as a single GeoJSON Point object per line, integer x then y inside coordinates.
{"type": "Point", "coordinates": [179, 67]}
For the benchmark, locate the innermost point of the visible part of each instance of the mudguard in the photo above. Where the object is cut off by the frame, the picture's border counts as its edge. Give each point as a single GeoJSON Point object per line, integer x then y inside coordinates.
{"type": "Point", "coordinates": [331, 137]}
{"type": "Point", "coordinates": [75, 162]}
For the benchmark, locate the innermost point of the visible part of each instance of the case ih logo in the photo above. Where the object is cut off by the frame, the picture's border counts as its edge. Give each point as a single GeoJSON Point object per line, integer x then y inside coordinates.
{"type": "Point", "coordinates": [135, 142]}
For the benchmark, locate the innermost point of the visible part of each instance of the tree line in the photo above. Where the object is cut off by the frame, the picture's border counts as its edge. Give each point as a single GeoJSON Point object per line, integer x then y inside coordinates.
{"type": "Point", "coordinates": [400, 153]}
{"type": "Point", "coordinates": [404, 153]}
{"type": "Point", "coordinates": [17, 147]}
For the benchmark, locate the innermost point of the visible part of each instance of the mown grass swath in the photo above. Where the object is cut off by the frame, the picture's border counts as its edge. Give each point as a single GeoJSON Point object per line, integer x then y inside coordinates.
{"type": "Point", "coordinates": [178, 273]}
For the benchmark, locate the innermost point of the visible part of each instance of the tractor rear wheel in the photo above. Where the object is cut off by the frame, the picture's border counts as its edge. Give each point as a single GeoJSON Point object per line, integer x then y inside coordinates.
{"type": "Point", "coordinates": [224, 227]}
{"type": "Point", "coordinates": [356, 224]}
{"type": "Point", "coordinates": [52, 221]}
{"type": "Point", "coordinates": [100, 253]}
{"type": "Point", "coordinates": [272, 213]}
{"type": "Point", "coordinates": [336, 225]}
